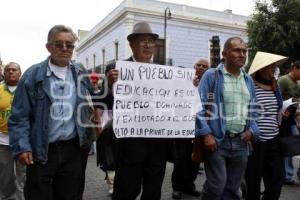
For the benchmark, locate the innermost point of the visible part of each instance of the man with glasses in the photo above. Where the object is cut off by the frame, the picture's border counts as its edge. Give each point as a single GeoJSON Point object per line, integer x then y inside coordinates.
{"type": "Point", "coordinates": [200, 66]}
{"type": "Point", "coordinates": [139, 161]}
{"type": "Point", "coordinates": [46, 124]}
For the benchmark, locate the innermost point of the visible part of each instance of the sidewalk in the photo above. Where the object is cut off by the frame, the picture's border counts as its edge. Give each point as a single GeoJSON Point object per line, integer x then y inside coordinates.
{"type": "Point", "coordinates": [96, 188]}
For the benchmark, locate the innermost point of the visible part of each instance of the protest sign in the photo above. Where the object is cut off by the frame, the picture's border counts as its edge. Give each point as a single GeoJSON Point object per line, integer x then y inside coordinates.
{"type": "Point", "coordinates": [154, 101]}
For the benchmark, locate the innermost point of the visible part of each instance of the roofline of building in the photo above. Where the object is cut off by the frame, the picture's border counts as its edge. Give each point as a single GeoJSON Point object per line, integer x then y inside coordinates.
{"type": "Point", "coordinates": [180, 13]}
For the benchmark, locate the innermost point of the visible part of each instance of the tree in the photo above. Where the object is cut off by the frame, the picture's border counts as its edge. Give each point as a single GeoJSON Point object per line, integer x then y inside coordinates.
{"type": "Point", "coordinates": [275, 28]}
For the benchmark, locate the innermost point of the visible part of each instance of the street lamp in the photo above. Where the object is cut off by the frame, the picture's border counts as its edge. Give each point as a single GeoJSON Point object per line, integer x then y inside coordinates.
{"type": "Point", "coordinates": [167, 15]}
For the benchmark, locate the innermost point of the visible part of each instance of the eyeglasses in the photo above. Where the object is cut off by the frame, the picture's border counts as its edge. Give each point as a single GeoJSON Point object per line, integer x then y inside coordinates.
{"type": "Point", "coordinates": [151, 43]}
{"type": "Point", "coordinates": [62, 45]}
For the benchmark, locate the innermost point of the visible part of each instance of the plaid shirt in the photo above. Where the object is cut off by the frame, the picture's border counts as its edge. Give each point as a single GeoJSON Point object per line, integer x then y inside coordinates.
{"type": "Point", "coordinates": [236, 101]}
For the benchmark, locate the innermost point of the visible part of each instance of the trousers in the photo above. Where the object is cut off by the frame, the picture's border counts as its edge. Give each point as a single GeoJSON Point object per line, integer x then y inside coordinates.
{"type": "Point", "coordinates": [59, 177]}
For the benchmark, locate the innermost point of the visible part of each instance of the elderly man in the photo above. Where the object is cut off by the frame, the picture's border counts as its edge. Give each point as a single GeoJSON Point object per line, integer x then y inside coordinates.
{"type": "Point", "coordinates": [227, 126]}
{"type": "Point", "coordinates": [185, 170]}
{"type": "Point", "coordinates": [200, 66]}
{"type": "Point", "coordinates": [46, 124]}
{"type": "Point", "coordinates": [12, 173]}
{"type": "Point", "coordinates": [139, 161]}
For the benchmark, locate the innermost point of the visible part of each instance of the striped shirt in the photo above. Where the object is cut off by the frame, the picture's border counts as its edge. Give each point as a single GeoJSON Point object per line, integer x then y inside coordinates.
{"type": "Point", "coordinates": [268, 120]}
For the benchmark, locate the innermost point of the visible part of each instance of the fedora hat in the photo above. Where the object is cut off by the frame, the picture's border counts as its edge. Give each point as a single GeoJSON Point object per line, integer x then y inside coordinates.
{"type": "Point", "coordinates": [263, 59]}
{"type": "Point", "coordinates": [141, 28]}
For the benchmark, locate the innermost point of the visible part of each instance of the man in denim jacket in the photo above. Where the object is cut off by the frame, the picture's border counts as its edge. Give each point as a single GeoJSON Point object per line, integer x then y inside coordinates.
{"type": "Point", "coordinates": [228, 130]}
{"type": "Point", "coordinates": [47, 124]}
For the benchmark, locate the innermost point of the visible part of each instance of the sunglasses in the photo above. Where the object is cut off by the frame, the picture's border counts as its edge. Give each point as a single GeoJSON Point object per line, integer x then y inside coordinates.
{"type": "Point", "coordinates": [63, 45]}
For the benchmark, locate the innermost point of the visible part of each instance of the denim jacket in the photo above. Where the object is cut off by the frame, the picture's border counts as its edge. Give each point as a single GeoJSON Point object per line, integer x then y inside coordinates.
{"type": "Point", "coordinates": [28, 124]}
{"type": "Point", "coordinates": [216, 125]}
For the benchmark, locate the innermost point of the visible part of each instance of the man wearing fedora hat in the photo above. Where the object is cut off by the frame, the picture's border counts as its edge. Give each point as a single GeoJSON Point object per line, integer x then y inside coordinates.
{"type": "Point", "coordinates": [139, 161]}
{"type": "Point", "coordinates": [228, 125]}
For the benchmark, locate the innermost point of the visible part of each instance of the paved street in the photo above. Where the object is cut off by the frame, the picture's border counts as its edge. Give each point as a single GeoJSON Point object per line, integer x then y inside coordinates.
{"type": "Point", "coordinates": [96, 188]}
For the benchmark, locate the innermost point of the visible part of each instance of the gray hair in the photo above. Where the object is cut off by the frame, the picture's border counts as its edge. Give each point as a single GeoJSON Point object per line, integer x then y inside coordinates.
{"type": "Point", "coordinates": [59, 29]}
{"type": "Point", "coordinates": [202, 59]}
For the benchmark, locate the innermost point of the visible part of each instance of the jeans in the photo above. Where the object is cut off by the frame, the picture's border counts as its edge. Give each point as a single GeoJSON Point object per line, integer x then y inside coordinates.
{"type": "Point", "coordinates": [224, 170]}
{"type": "Point", "coordinates": [288, 161]}
{"type": "Point", "coordinates": [289, 169]}
{"type": "Point", "coordinates": [59, 178]}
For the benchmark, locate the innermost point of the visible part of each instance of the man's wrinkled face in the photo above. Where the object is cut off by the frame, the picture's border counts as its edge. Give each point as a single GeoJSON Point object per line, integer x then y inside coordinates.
{"type": "Point", "coordinates": [201, 64]}
{"type": "Point", "coordinates": [12, 74]}
{"type": "Point", "coordinates": [235, 55]}
{"type": "Point", "coordinates": [142, 47]}
{"type": "Point", "coordinates": [61, 48]}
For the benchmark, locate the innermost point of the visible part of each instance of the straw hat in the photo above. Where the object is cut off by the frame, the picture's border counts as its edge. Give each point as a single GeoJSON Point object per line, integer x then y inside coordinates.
{"type": "Point", "coordinates": [263, 59]}
{"type": "Point", "coordinates": [141, 28]}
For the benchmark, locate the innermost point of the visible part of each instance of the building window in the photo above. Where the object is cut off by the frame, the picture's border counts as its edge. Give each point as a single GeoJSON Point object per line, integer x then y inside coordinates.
{"type": "Point", "coordinates": [103, 60]}
{"type": "Point", "coordinates": [159, 53]}
{"type": "Point", "coordinates": [116, 50]}
{"type": "Point", "coordinates": [94, 64]}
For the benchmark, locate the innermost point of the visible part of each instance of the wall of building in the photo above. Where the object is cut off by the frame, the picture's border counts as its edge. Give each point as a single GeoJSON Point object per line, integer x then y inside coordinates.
{"type": "Point", "coordinates": [188, 31]}
{"type": "Point", "coordinates": [187, 42]}
{"type": "Point", "coordinates": [104, 42]}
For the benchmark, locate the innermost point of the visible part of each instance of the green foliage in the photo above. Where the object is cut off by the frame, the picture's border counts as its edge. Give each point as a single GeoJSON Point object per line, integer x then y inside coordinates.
{"type": "Point", "coordinates": [275, 28]}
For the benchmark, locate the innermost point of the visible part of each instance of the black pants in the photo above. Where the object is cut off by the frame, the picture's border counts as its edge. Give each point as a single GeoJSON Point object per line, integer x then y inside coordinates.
{"type": "Point", "coordinates": [265, 163]}
{"type": "Point", "coordinates": [84, 159]}
{"type": "Point", "coordinates": [139, 161]}
{"type": "Point", "coordinates": [185, 170]}
{"type": "Point", "coordinates": [57, 179]}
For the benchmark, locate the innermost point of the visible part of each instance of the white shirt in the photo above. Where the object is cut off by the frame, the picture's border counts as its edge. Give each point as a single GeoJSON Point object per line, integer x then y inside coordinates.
{"type": "Point", "coordinates": [60, 72]}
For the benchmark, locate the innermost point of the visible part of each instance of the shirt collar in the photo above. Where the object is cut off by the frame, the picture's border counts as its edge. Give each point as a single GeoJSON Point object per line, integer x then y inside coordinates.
{"type": "Point", "coordinates": [225, 72]}
{"type": "Point", "coordinates": [49, 71]}
{"type": "Point", "coordinates": [6, 88]}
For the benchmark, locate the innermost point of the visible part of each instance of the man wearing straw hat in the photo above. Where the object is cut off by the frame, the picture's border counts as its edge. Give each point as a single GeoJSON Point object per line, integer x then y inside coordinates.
{"type": "Point", "coordinates": [139, 161]}
{"type": "Point", "coordinates": [266, 161]}
{"type": "Point", "coordinates": [228, 126]}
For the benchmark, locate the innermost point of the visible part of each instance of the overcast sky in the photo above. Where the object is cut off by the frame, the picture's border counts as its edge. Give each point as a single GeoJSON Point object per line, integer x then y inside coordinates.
{"type": "Point", "coordinates": [24, 24]}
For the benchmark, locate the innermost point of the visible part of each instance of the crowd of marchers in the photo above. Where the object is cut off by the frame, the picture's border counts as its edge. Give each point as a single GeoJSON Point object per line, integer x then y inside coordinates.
{"type": "Point", "coordinates": [44, 143]}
